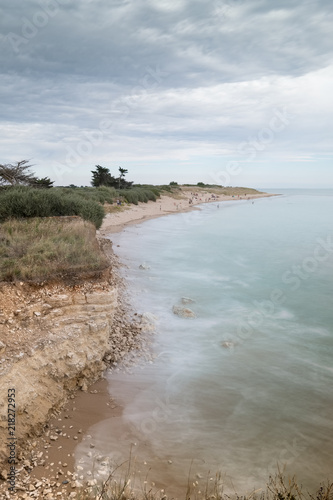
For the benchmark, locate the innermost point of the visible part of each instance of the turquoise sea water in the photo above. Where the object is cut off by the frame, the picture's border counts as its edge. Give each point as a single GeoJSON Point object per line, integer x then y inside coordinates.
{"type": "Point", "coordinates": [248, 383]}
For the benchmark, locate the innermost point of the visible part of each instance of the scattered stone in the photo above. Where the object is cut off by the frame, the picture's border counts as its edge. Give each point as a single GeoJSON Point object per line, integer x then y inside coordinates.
{"type": "Point", "coordinates": [228, 345]}
{"type": "Point", "coordinates": [183, 312]}
{"type": "Point", "coordinates": [187, 300]}
{"type": "Point", "coordinates": [144, 266]}
{"type": "Point", "coordinates": [92, 482]}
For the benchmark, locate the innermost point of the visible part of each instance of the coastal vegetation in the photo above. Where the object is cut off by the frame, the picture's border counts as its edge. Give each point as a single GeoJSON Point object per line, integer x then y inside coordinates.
{"type": "Point", "coordinates": [27, 202]}
{"type": "Point", "coordinates": [41, 249]}
{"type": "Point", "coordinates": [19, 174]}
{"type": "Point", "coordinates": [278, 487]}
{"type": "Point", "coordinates": [37, 242]}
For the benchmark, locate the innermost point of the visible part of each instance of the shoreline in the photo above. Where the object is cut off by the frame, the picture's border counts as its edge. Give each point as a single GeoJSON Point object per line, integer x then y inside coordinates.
{"type": "Point", "coordinates": [116, 221]}
{"type": "Point", "coordinates": [84, 409]}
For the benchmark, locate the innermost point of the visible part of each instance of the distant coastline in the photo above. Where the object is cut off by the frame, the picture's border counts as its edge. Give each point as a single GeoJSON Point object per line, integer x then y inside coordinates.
{"type": "Point", "coordinates": [183, 200]}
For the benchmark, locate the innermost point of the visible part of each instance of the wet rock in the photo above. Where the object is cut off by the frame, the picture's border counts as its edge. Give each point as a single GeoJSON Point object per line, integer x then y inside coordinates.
{"type": "Point", "coordinates": [187, 300]}
{"type": "Point", "coordinates": [183, 312]}
{"type": "Point", "coordinates": [228, 345]}
{"type": "Point", "coordinates": [144, 266]}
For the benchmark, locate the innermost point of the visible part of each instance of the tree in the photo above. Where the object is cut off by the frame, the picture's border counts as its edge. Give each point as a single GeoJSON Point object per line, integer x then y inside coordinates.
{"type": "Point", "coordinates": [122, 172]}
{"type": "Point", "coordinates": [102, 177]}
{"type": "Point", "coordinates": [44, 183]}
{"type": "Point", "coordinates": [16, 174]}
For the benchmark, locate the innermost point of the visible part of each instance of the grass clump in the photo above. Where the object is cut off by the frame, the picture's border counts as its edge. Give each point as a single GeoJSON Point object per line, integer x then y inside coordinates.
{"type": "Point", "coordinates": [40, 249]}
{"type": "Point", "coordinates": [26, 202]}
{"type": "Point", "coordinates": [126, 487]}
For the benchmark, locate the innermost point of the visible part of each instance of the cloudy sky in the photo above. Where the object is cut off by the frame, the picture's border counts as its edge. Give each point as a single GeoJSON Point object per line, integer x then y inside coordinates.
{"type": "Point", "coordinates": [233, 92]}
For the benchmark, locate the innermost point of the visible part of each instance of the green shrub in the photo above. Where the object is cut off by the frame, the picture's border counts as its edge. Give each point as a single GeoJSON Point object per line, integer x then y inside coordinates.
{"type": "Point", "coordinates": [136, 194]}
{"type": "Point", "coordinates": [22, 202]}
{"type": "Point", "coordinates": [131, 196]}
{"type": "Point", "coordinates": [102, 194]}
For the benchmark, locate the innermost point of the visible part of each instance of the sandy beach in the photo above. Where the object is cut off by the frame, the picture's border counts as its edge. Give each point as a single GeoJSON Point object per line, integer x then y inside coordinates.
{"type": "Point", "coordinates": [165, 205]}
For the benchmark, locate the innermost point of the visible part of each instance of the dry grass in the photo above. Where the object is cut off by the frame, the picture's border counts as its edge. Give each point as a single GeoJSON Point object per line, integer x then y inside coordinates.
{"type": "Point", "coordinates": [48, 248]}
{"type": "Point", "coordinates": [127, 486]}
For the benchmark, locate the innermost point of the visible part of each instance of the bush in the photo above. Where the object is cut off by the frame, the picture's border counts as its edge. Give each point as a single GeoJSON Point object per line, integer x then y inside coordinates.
{"type": "Point", "coordinates": [102, 194]}
{"type": "Point", "coordinates": [22, 202]}
{"type": "Point", "coordinates": [137, 194]}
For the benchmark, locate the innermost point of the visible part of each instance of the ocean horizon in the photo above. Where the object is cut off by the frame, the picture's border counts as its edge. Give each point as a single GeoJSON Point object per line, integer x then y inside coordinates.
{"type": "Point", "coordinates": [246, 384]}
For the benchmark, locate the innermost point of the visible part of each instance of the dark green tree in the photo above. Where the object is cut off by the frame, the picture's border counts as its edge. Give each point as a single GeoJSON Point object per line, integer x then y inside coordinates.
{"type": "Point", "coordinates": [121, 180]}
{"type": "Point", "coordinates": [44, 183]}
{"type": "Point", "coordinates": [102, 177]}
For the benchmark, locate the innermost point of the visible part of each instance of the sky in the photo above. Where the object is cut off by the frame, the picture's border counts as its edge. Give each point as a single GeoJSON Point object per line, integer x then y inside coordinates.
{"type": "Point", "coordinates": [234, 92]}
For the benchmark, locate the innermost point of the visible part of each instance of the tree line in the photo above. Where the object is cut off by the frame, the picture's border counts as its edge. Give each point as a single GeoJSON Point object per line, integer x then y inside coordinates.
{"type": "Point", "coordinates": [19, 174]}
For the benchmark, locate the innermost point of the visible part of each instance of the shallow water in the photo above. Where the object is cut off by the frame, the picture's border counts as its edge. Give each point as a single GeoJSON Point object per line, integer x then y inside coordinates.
{"type": "Point", "coordinates": [248, 383]}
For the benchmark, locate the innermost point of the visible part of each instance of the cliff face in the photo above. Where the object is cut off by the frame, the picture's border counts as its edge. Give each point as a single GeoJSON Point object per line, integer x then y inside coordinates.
{"type": "Point", "coordinates": [53, 338]}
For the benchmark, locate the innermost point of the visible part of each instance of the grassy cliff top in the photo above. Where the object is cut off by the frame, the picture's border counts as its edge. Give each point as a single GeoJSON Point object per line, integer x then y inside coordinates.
{"type": "Point", "coordinates": [39, 249]}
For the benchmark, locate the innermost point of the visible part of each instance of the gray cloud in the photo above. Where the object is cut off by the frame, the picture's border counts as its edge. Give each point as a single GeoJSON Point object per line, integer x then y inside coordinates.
{"type": "Point", "coordinates": [208, 73]}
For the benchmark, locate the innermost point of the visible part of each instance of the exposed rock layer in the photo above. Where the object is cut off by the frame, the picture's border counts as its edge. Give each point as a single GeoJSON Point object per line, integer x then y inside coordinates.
{"type": "Point", "coordinates": [53, 339]}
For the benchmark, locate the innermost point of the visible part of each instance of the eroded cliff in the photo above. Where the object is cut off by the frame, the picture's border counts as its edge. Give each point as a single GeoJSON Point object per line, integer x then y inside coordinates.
{"type": "Point", "coordinates": [53, 339]}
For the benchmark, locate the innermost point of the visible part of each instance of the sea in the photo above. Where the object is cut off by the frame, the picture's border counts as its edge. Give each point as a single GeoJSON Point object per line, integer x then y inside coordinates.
{"type": "Point", "coordinates": [243, 388]}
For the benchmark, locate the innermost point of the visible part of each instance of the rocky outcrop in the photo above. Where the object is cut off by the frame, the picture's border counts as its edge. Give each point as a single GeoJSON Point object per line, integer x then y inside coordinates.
{"type": "Point", "coordinates": [53, 339]}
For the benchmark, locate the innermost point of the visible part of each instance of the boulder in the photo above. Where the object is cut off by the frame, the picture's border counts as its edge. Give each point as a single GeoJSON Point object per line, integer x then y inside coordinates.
{"type": "Point", "coordinates": [187, 300]}
{"type": "Point", "coordinates": [227, 344]}
{"type": "Point", "coordinates": [144, 266]}
{"type": "Point", "coordinates": [183, 312]}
